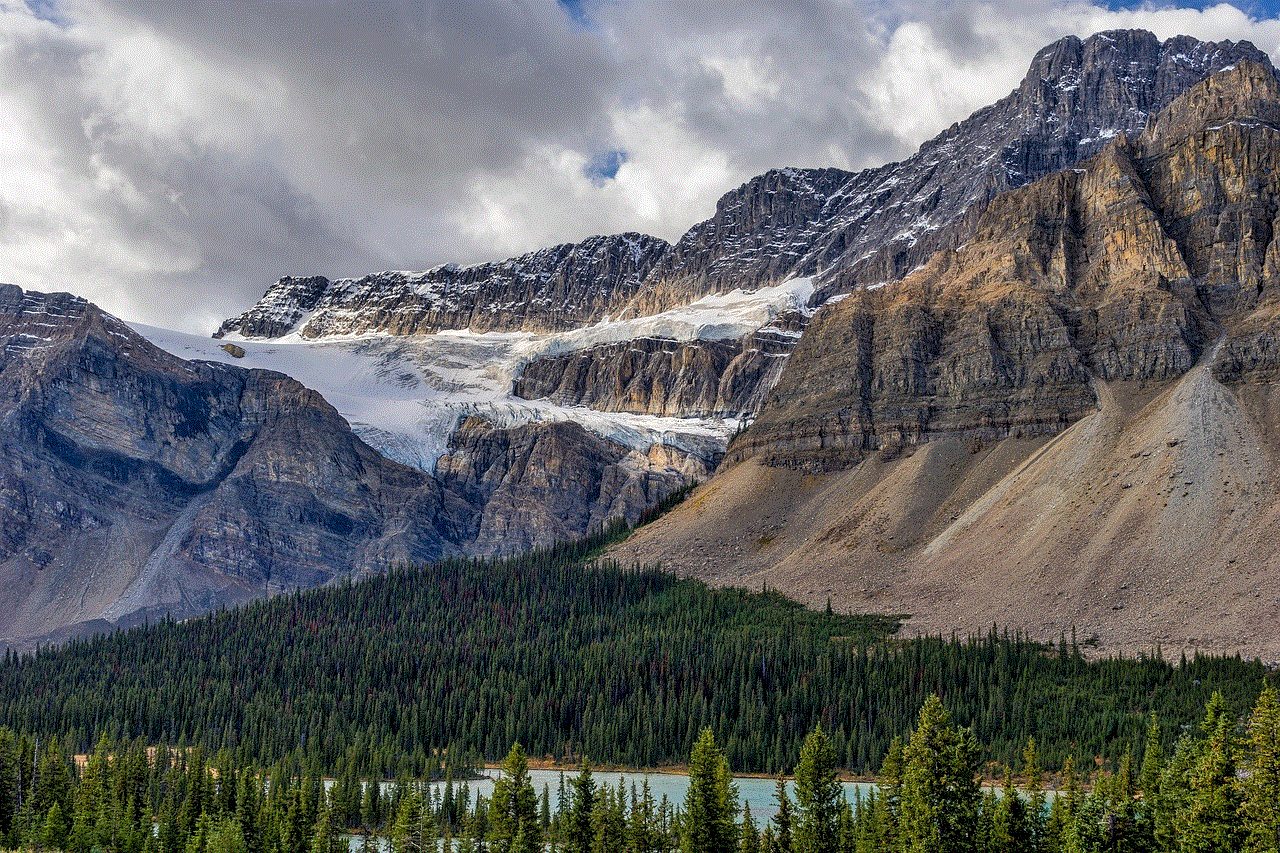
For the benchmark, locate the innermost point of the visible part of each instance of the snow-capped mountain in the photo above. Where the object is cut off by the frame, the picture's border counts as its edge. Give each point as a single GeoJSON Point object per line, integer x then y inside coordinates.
{"type": "Point", "coordinates": [341, 425]}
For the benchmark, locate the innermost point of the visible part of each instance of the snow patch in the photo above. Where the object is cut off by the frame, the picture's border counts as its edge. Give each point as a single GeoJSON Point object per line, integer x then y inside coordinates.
{"type": "Point", "coordinates": [405, 396]}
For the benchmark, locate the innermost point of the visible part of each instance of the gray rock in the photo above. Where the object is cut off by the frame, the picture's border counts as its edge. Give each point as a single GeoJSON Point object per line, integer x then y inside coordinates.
{"type": "Point", "coordinates": [1127, 269]}
{"type": "Point", "coordinates": [554, 289]}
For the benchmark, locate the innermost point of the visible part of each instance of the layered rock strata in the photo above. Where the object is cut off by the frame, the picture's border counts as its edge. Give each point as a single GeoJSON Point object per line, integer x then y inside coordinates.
{"type": "Point", "coordinates": [1126, 269]}
{"type": "Point", "coordinates": [665, 377]}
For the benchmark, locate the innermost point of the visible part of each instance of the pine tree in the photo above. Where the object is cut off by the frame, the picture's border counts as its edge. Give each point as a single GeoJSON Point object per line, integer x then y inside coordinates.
{"type": "Point", "coordinates": [1260, 794]}
{"type": "Point", "coordinates": [1209, 821]}
{"type": "Point", "coordinates": [610, 831]}
{"type": "Point", "coordinates": [749, 835]}
{"type": "Point", "coordinates": [225, 836]}
{"type": "Point", "coordinates": [578, 832]}
{"type": "Point", "coordinates": [711, 803]}
{"type": "Point", "coordinates": [890, 801]}
{"type": "Point", "coordinates": [783, 819]}
{"type": "Point", "coordinates": [846, 829]}
{"type": "Point", "coordinates": [406, 828]}
{"type": "Point", "coordinates": [818, 795]}
{"type": "Point", "coordinates": [1035, 809]}
{"type": "Point", "coordinates": [513, 810]}
{"type": "Point", "coordinates": [325, 838]}
{"type": "Point", "coordinates": [1009, 830]}
{"type": "Point", "coordinates": [940, 794]}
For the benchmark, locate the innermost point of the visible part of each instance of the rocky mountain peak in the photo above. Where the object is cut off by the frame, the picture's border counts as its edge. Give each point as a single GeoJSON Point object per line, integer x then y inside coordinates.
{"type": "Point", "coordinates": [850, 230]}
{"type": "Point", "coordinates": [1246, 92]}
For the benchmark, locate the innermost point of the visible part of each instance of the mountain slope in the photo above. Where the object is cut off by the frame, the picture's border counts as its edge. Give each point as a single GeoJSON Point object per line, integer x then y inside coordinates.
{"type": "Point", "coordinates": [136, 483]}
{"type": "Point", "coordinates": [1068, 421]}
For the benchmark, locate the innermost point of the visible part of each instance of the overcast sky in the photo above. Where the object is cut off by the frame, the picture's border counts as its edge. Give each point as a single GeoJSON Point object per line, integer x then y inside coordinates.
{"type": "Point", "coordinates": [170, 160]}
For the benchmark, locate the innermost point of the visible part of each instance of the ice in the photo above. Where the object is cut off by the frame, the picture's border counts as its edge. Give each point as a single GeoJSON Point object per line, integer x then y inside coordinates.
{"type": "Point", "coordinates": [404, 396]}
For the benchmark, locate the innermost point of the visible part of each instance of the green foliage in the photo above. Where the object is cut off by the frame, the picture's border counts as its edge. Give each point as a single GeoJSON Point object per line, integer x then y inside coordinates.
{"type": "Point", "coordinates": [1260, 787]}
{"type": "Point", "coordinates": [711, 803]}
{"type": "Point", "coordinates": [427, 670]}
{"type": "Point", "coordinates": [940, 795]}
{"type": "Point", "coordinates": [513, 812]}
{"type": "Point", "coordinates": [818, 795]}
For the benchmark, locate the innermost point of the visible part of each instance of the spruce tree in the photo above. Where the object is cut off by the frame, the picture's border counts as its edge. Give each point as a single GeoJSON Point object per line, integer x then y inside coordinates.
{"type": "Point", "coordinates": [784, 818]}
{"type": "Point", "coordinates": [711, 802]}
{"type": "Point", "coordinates": [749, 835]}
{"type": "Point", "coordinates": [578, 832]}
{"type": "Point", "coordinates": [940, 794]}
{"type": "Point", "coordinates": [1260, 794]}
{"type": "Point", "coordinates": [514, 826]}
{"type": "Point", "coordinates": [818, 796]}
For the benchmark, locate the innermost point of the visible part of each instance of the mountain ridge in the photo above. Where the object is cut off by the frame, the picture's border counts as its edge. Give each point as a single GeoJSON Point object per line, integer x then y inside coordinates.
{"type": "Point", "coordinates": [1016, 339]}
{"type": "Point", "coordinates": [847, 228]}
{"type": "Point", "coordinates": [1068, 421]}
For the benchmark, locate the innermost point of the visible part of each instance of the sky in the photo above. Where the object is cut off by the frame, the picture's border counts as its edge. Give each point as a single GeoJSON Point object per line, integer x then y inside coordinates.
{"type": "Point", "coordinates": [170, 160]}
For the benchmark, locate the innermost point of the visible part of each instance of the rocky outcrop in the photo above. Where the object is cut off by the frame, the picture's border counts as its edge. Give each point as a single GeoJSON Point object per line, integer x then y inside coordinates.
{"type": "Point", "coordinates": [554, 289]}
{"type": "Point", "coordinates": [136, 484]}
{"type": "Point", "coordinates": [1126, 269]}
{"type": "Point", "coordinates": [875, 226]}
{"type": "Point", "coordinates": [665, 377]}
{"type": "Point", "coordinates": [538, 484]}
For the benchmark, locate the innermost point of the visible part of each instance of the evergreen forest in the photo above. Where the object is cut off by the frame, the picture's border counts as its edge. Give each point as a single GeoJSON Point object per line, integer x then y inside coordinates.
{"type": "Point", "coordinates": [431, 670]}
{"type": "Point", "coordinates": [1216, 790]}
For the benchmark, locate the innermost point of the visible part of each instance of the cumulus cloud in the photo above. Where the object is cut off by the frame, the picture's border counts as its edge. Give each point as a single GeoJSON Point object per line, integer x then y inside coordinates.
{"type": "Point", "coordinates": [169, 160]}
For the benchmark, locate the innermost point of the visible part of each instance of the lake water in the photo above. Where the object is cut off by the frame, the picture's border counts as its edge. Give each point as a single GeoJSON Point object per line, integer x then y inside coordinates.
{"type": "Point", "coordinates": [756, 791]}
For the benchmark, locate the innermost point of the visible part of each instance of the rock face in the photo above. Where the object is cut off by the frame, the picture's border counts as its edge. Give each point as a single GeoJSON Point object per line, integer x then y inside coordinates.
{"type": "Point", "coordinates": [551, 290]}
{"type": "Point", "coordinates": [661, 376]}
{"type": "Point", "coordinates": [135, 483]}
{"type": "Point", "coordinates": [1126, 269]}
{"type": "Point", "coordinates": [1069, 421]}
{"type": "Point", "coordinates": [538, 484]}
{"type": "Point", "coordinates": [875, 226]}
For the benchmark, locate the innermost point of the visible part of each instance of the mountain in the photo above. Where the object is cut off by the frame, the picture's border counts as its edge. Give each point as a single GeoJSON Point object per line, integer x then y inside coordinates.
{"type": "Point", "coordinates": [554, 289]}
{"type": "Point", "coordinates": [845, 228]}
{"type": "Point", "coordinates": [1069, 420]}
{"type": "Point", "coordinates": [496, 407]}
{"type": "Point", "coordinates": [136, 483]}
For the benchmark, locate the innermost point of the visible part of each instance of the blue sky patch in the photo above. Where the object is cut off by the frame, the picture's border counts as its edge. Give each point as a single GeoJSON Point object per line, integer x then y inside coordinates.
{"type": "Point", "coordinates": [604, 165]}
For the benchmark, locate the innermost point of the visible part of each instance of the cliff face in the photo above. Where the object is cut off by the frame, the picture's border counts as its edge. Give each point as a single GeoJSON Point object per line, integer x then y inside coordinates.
{"type": "Point", "coordinates": [1068, 422]}
{"type": "Point", "coordinates": [550, 290]}
{"type": "Point", "coordinates": [1125, 269]}
{"type": "Point", "coordinates": [664, 377]}
{"type": "Point", "coordinates": [876, 225]}
{"type": "Point", "coordinates": [538, 484]}
{"type": "Point", "coordinates": [135, 483]}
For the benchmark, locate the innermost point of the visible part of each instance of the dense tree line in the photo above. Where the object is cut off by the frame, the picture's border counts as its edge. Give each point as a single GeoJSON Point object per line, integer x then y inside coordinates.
{"type": "Point", "coordinates": [1217, 790]}
{"type": "Point", "coordinates": [429, 669]}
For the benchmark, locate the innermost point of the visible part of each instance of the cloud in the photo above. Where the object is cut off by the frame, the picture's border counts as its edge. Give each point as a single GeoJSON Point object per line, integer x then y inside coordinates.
{"type": "Point", "coordinates": [170, 160]}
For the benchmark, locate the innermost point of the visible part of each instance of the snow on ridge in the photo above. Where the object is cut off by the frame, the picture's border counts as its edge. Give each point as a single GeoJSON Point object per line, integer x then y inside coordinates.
{"type": "Point", "coordinates": [404, 396]}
